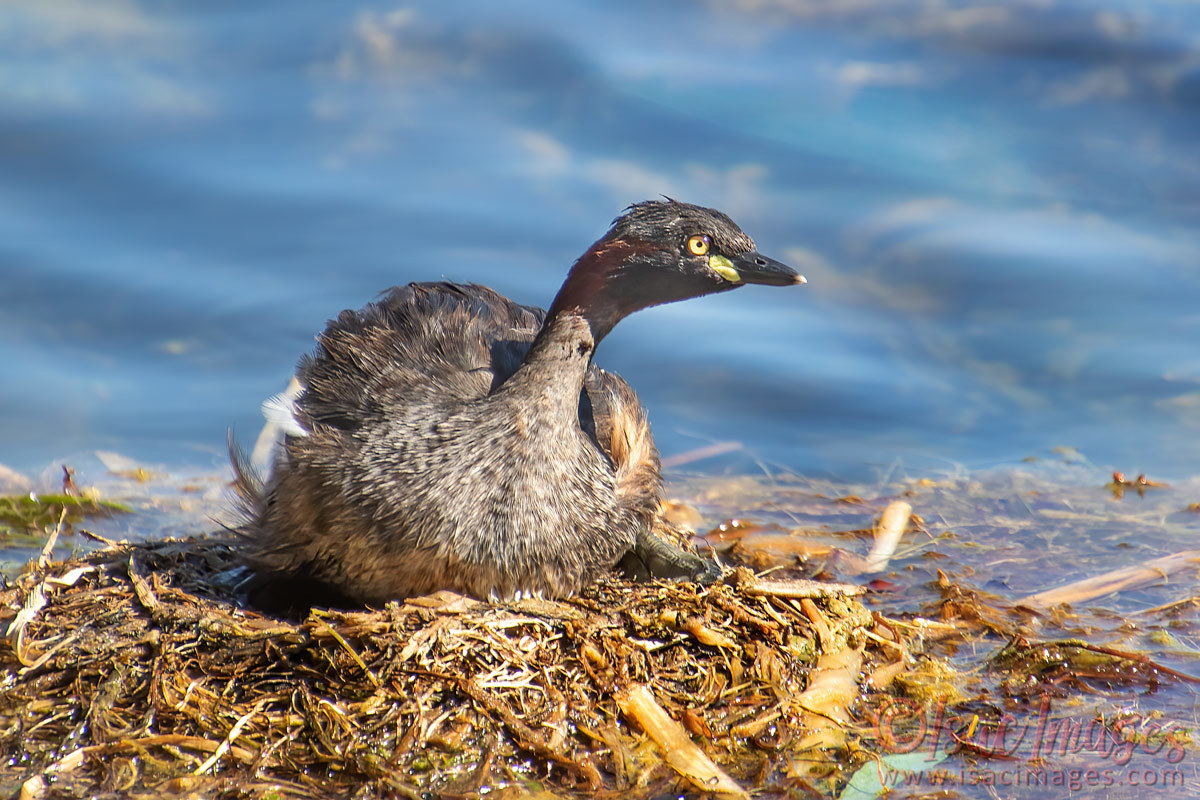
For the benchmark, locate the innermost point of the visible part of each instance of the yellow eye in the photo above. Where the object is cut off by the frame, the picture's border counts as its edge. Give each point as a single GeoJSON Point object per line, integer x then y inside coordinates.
{"type": "Point", "coordinates": [698, 245]}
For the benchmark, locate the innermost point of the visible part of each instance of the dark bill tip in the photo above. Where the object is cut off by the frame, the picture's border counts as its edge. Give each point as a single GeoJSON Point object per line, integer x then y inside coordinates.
{"type": "Point", "coordinates": [754, 267]}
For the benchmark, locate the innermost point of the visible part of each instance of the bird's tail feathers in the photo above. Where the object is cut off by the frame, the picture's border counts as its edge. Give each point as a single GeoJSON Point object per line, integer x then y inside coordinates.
{"type": "Point", "coordinates": [248, 487]}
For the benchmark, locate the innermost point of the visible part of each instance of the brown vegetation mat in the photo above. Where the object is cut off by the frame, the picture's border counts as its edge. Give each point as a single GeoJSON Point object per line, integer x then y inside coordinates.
{"type": "Point", "coordinates": [129, 672]}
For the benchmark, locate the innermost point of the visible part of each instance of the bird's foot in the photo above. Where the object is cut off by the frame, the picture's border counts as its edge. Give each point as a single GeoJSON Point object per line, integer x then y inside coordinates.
{"type": "Point", "coordinates": [654, 557]}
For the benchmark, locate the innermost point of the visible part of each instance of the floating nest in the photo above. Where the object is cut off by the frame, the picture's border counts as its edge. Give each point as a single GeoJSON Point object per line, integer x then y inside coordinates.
{"type": "Point", "coordinates": [133, 672]}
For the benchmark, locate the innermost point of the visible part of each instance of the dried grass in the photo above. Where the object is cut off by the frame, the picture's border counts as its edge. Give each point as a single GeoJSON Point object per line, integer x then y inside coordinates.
{"type": "Point", "coordinates": [132, 673]}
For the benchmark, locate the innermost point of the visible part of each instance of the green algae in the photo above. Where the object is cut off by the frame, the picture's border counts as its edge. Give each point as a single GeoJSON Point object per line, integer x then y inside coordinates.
{"type": "Point", "coordinates": [32, 513]}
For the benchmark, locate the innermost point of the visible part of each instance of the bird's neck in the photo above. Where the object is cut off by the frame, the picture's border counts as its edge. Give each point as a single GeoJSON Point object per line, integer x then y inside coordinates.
{"type": "Point", "coordinates": [586, 308]}
{"type": "Point", "coordinates": [554, 369]}
{"type": "Point", "coordinates": [598, 288]}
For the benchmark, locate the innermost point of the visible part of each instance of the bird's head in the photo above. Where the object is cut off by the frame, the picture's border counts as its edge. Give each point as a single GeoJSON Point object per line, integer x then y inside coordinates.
{"type": "Point", "coordinates": [661, 251]}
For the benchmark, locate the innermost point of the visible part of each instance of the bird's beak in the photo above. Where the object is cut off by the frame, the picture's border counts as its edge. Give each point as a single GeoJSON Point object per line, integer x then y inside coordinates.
{"type": "Point", "coordinates": [754, 267]}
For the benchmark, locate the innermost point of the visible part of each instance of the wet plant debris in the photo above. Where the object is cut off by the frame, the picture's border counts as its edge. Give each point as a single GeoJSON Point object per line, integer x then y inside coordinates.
{"type": "Point", "coordinates": [131, 672]}
{"type": "Point", "coordinates": [1020, 633]}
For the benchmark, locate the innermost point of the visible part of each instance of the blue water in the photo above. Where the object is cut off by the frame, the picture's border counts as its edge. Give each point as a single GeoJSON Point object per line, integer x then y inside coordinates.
{"type": "Point", "coordinates": [996, 206]}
